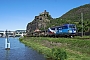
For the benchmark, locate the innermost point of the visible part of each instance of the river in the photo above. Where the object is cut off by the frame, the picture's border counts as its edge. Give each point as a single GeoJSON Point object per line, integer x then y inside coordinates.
{"type": "Point", "coordinates": [18, 51]}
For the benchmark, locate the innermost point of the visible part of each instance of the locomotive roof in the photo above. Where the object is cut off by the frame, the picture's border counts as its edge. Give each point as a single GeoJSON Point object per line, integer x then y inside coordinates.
{"type": "Point", "coordinates": [55, 26]}
{"type": "Point", "coordinates": [62, 25]}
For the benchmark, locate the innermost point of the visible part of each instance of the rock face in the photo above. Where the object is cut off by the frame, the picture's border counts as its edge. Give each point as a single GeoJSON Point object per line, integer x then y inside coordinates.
{"type": "Point", "coordinates": [39, 22]}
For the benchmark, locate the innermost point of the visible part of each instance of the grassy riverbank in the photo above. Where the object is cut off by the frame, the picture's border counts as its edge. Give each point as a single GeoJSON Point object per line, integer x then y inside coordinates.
{"type": "Point", "coordinates": [70, 48]}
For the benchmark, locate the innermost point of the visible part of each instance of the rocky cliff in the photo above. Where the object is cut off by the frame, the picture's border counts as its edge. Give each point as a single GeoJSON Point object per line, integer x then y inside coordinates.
{"type": "Point", "coordinates": [39, 22]}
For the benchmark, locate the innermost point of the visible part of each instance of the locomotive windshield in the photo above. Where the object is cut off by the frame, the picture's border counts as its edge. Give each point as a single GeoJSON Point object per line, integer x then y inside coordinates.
{"type": "Point", "coordinates": [72, 26]}
{"type": "Point", "coordinates": [58, 28]}
{"type": "Point", "coordinates": [52, 28]}
{"type": "Point", "coordinates": [64, 27]}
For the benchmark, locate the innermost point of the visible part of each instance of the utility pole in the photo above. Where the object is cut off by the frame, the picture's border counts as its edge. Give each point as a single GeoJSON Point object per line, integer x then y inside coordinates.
{"type": "Point", "coordinates": [82, 22]}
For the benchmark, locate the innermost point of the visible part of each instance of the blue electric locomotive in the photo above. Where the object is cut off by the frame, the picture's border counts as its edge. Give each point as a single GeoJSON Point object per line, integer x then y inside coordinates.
{"type": "Point", "coordinates": [67, 30]}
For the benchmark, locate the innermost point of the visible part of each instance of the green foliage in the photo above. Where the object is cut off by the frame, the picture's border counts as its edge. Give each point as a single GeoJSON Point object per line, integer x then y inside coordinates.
{"type": "Point", "coordinates": [58, 54]}
{"type": "Point", "coordinates": [20, 39]}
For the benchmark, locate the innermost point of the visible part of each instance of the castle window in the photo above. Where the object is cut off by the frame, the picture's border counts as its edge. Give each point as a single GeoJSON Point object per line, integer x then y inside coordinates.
{"type": "Point", "coordinates": [37, 18]}
{"type": "Point", "coordinates": [44, 14]}
{"type": "Point", "coordinates": [40, 18]}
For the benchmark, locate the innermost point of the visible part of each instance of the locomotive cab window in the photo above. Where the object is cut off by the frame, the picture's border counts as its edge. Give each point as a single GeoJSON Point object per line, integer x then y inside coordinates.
{"type": "Point", "coordinates": [59, 28]}
{"type": "Point", "coordinates": [64, 27]}
{"type": "Point", "coordinates": [53, 28]}
{"type": "Point", "coordinates": [72, 26]}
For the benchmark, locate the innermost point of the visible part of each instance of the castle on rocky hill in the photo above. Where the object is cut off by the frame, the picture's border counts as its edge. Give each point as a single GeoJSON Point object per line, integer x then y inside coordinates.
{"type": "Point", "coordinates": [39, 22]}
{"type": "Point", "coordinates": [42, 15]}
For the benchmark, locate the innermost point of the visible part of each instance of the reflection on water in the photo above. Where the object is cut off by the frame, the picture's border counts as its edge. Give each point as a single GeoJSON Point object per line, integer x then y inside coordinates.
{"type": "Point", "coordinates": [7, 55]}
{"type": "Point", "coordinates": [18, 51]}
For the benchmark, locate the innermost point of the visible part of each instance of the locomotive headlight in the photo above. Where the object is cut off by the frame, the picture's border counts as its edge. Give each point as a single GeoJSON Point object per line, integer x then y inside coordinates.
{"type": "Point", "coordinates": [74, 31]}
{"type": "Point", "coordinates": [70, 31]}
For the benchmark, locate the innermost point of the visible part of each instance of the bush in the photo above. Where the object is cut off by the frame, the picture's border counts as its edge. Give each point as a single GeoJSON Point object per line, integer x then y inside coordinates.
{"type": "Point", "coordinates": [58, 54]}
{"type": "Point", "coordinates": [20, 39]}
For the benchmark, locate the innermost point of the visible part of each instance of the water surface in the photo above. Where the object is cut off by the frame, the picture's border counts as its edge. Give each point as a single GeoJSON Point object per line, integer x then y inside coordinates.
{"type": "Point", "coordinates": [18, 51]}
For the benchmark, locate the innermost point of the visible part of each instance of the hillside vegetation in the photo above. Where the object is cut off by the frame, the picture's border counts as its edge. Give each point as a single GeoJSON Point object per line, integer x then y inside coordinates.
{"type": "Point", "coordinates": [74, 16]}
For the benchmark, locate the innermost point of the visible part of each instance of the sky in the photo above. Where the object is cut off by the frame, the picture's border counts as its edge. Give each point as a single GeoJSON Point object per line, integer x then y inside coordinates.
{"type": "Point", "coordinates": [16, 14]}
